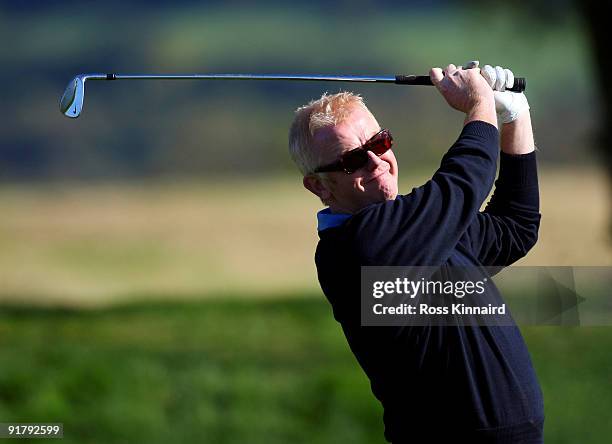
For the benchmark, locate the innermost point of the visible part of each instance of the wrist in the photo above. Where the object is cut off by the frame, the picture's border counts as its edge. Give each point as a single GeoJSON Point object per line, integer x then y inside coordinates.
{"type": "Point", "coordinates": [484, 110]}
{"type": "Point", "coordinates": [517, 136]}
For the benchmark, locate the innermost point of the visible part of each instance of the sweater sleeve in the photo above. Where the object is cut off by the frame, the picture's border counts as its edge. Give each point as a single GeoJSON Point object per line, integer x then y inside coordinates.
{"type": "Point", "coordinates": [424, 226]}
{"type": "Point", "coordinates": [508, 227]}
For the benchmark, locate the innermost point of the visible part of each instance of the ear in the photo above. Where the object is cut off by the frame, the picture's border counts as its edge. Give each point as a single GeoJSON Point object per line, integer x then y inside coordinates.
{"type": "Point", "coordinates": [316, 186]}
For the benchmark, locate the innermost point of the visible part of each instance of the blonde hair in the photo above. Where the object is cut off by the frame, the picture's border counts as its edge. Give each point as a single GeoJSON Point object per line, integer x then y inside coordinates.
{"type": "Point", "coordinates": [329, 110]}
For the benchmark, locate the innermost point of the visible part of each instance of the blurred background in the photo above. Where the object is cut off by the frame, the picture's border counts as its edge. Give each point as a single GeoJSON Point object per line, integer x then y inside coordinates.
{"type": "Point", "coordinates": [157, 279]}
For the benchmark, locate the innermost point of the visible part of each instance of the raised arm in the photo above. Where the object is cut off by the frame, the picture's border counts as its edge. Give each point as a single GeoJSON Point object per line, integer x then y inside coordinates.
{"type": "Point", "coordinates": [508, 228]}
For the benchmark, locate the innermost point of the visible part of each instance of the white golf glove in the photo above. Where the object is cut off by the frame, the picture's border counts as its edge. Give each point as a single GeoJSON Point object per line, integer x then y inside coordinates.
{"type": "Point", "coordinates": [509, 105]}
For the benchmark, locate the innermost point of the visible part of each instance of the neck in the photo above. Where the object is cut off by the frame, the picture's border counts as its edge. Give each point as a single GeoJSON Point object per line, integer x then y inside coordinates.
{"type": "Point", "coordinates": [337, 209]}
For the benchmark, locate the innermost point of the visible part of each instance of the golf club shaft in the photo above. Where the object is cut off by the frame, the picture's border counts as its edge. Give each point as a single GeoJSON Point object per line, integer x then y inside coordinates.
{"type": "Point", "coordinates": [71, 102]}
{"type": "Point", "coordinates": [518, 86]}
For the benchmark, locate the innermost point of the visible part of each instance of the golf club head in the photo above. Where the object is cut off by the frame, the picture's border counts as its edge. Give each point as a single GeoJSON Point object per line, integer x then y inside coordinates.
{"type": "Point", "coordinates": [71, 103]}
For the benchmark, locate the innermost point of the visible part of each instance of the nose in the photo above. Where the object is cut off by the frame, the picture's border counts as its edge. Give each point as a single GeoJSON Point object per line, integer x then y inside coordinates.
{"type": "Point", "coordinates": [373, 161]}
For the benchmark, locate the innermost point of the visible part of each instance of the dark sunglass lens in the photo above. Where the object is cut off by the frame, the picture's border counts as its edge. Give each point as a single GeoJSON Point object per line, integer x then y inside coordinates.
{"type": "Point", "coordinates": [381, 143]}
{"type": "Point", "coordinates": [354, 160]}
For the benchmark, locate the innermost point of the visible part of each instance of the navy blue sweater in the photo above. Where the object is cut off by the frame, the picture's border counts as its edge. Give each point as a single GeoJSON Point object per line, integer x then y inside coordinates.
{"type": "Point", "coordinates": [439, 383]}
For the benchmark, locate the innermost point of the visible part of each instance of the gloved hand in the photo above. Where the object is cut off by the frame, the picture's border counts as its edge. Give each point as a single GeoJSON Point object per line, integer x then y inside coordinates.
{"type": "Point", "coordinates": [509, 105]}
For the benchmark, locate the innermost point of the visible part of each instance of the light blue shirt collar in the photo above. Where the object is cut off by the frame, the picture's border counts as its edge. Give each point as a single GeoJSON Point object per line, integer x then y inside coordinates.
{"type": "Point", "coordinates": [326, 219]}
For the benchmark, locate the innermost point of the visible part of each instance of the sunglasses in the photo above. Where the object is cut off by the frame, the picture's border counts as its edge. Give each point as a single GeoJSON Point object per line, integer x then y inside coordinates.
{"type": "Point", "coordinates": [357, 158]}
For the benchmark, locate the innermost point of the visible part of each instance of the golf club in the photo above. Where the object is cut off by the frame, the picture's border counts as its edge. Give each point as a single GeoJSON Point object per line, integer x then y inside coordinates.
{"type": "Point", "coordinates": [71, 103]}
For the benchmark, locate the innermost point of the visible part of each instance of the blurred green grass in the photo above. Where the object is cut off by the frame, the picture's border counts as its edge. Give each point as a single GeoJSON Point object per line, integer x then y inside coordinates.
{"type": "Point", "coordinates": [215, 372]}
{"type": "Point", "coordinates": [252, 371]}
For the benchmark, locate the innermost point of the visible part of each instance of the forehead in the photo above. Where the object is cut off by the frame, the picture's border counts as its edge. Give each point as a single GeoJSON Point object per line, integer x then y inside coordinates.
{"type": "Point", "coordinates": [352, 132]}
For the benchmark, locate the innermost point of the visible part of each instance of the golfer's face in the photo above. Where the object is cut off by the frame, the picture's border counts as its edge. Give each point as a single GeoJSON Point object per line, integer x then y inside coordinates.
{"type": "Point", "coordinates": [375, 182]}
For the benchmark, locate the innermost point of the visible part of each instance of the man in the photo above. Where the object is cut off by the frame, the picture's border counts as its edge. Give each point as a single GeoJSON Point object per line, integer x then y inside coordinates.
{"type": "Point", "coordinates": [468, 384]}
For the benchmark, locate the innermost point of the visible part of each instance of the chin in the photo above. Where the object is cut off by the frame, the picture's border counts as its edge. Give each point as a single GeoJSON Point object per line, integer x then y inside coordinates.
{"type": "Point", "coordinates": [388, 190]}
{"type": "Point", "coordinates": [390, 196]}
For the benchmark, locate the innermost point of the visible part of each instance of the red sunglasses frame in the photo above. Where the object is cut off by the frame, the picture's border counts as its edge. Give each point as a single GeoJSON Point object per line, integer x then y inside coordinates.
{"type": "Point", "coordinates": [352, 160]}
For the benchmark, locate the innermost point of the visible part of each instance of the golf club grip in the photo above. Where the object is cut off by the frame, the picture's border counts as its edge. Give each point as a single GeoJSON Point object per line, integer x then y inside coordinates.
{"type": "Point", "coordinates": [519, 82]}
